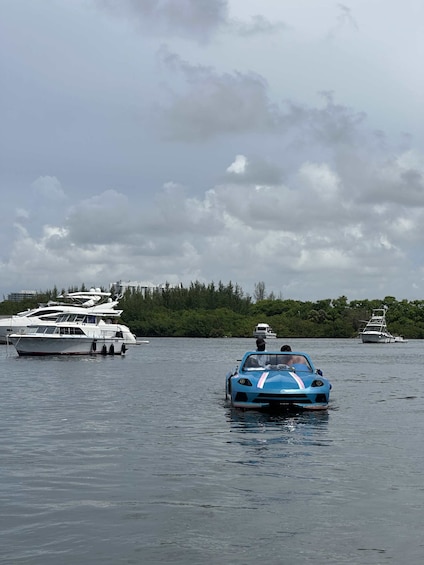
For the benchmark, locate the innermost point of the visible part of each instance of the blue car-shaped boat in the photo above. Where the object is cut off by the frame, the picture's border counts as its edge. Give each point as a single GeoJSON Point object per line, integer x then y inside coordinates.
{"type": "Point", "coordinates": [276, 380]}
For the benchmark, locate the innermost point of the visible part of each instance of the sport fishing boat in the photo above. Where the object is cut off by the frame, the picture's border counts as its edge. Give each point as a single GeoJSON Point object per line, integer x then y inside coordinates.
{"type": "Point", "coordinates": [93, 300]}
{"type": "Point", "coordinates": [375, 330]}
{"type": "Point", "coordinates": [76, 333]}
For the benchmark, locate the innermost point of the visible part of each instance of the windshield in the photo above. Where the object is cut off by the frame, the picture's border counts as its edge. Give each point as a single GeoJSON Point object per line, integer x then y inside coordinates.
{"type": "Point", "coordinates": [276, 362]}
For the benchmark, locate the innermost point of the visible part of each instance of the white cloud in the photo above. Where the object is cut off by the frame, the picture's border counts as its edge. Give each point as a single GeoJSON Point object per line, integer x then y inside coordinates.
{"type": "Point", "coordinates": [238, 166]}
{"type": "Point", "coordinates": [322, 181]}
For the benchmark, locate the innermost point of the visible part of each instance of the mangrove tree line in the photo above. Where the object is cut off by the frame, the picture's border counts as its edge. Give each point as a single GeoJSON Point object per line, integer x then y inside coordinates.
{"type": "Point", "coordinates": [218, 310]}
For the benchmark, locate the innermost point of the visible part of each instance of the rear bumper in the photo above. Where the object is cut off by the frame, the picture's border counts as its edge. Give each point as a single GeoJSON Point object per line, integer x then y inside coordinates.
{"type": "Point", "coordinates": [279, 405]}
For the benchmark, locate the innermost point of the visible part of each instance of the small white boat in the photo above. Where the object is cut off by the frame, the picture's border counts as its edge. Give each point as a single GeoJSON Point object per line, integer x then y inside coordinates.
{"type": "Point", "coordinates": [264, 331]}
{"type": "Point", "coordinates": [75, 334]}
{"type": "Point", "coordinates": [400, 339]}
{"type": "Point", "coordinates": [375, 330]}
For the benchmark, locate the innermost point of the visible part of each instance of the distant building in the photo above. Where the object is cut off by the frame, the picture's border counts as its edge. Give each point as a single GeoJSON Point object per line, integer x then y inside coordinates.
{"type": "Point", "coordinates": [23, 295]}
{"type": "Point", "coordinates": [144, 287]}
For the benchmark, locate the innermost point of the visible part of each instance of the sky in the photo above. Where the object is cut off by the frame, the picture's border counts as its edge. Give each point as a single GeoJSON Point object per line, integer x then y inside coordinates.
{"type": "Point", "coordinates": [251, 141]}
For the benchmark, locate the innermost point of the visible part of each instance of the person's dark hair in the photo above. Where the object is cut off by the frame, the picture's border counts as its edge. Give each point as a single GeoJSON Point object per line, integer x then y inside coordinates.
{"type": "Point", "coordinates": [260, 344]}
{"type": "Point", "coordinates": [285, 348]}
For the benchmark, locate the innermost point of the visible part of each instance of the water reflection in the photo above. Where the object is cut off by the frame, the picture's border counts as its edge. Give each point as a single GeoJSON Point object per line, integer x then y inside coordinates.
{"type": "Point", "coordinates": [254, 418]}
{"type": "Point", "coordinates": [267, 437]}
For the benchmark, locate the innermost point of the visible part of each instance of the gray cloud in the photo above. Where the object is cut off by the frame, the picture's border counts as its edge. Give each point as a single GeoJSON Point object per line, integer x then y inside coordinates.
{"type": "Point", "coordinates": [214, 157]}
{"type": "Point", "coordinates": [193, 18]}
{"type": "Point", "coordinates": [100, 220]}
{"type": "Point", "coordinates": [256, 170]}
{"type": "Point", "coordinates": [258, 26]}
{"type": "Point", "coordinates": [212, 104]}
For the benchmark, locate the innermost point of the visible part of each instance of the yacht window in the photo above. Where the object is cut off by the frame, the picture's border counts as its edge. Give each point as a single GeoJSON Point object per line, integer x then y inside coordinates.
{"type": "Point", "coordinates": [44, 313]}
{"type": "Point", "coordinates": [71, 331]}
{"type": "Point", "coordinates": [45, 329]}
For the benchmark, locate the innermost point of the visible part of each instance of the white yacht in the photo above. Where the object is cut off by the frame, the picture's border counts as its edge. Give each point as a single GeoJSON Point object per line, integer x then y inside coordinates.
{"type": "Point", "coordinates": [264, 331]}
{"type": "Point", "coordinates": [93, 300]}
{"type": "Point", "coordinates": [80, 332]}
{"type": "Point", "coordinates": [375, 330]}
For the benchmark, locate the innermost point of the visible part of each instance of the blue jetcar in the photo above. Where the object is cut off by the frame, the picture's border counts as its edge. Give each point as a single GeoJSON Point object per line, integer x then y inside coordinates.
{"type": "Point", "coordinates": [276, 380]}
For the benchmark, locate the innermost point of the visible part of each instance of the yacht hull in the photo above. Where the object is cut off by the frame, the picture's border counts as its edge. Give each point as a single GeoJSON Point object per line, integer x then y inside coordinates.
{"type": "Point", "coordinates": [30, 345]}
{"type": "Point", "coordinates": [6, 329]}
{"type": "Point", "coordinates": [376, 338]}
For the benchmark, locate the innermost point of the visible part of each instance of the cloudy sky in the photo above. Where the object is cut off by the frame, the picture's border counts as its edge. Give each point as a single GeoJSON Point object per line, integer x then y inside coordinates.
{"type": "Point", "coordinates": [275, 141]}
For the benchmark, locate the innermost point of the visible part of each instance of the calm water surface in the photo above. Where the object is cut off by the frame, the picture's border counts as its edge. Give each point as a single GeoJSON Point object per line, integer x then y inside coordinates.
{"type": "Point", "coordinates": [138, 459]}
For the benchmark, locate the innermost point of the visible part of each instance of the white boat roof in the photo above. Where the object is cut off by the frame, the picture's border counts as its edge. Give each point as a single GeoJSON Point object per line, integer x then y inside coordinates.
{"type": "Point", "coordinates": [93, 300]}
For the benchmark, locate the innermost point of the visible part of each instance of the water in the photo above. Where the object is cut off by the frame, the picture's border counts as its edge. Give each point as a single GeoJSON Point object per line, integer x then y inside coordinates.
{"type": "Point", "coordinates": [138, 460]}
